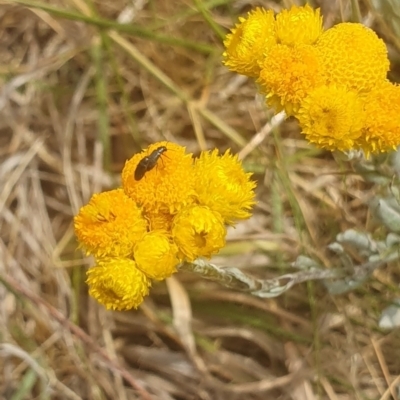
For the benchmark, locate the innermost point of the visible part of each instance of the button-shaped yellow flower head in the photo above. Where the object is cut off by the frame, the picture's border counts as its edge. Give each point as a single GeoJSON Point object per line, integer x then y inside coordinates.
{"type": "Point", "coordinates": [299, 25]}
{"type": "Point", "coordinates": [168, 186]}
{"type": "Point", "coordinates": [248, 41]}
{"type": "Point", "coordinates": [381, 131]}
{"type": "Point", "coordinates": [110, 224]}
{"type": "Point", "coordinates": [222, 185]}
{"type": "Point", "coordinates": [288, 74]}
{"type": "Point", "coordinates": [332, 117]}
{"type": "Point", "coordinates": [117, 283]}
{"type": "Point", "coordinates": [198, 231]}
{"type": "Point", "coordinates": [156, 255]}
{"type": "Point", "coordinates": [354, 56]}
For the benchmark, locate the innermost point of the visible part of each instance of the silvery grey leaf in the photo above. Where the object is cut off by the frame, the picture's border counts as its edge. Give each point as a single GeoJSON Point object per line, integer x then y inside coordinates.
{"type": "Point", "coordinates": [387, 211]}
{"type": "Point", "coordinates": [303, 262]}
{"type": "Point", "coordinates": [374, 258]}
{"type": "Point", "coordinates": [395, 161]}
{"type": "Point", "coordinates": [345, 259]}
{"type": "Point", "coordinates": [336, 247]}
{"type": "Point", "coordinates": [343, 286]}
{"type": "Point", "coordinates": [358, 240]}
{"type": "Point", "coordinates": [392, 240]}
{"type": "Point", "coordinates": [390, 316]}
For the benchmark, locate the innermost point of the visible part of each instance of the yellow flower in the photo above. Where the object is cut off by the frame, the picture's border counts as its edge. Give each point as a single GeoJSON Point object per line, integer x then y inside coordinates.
{"type": "Point", "coordinates": [381, 131]}
{"type": "Point", "coordinates": [289, 74]}
{"type": "Point", "coordinates": [354, 56]}
{"type": "Point", "coordinates": [198, 231]}
{"type": "Point", "coordinates": [156, 255]}
{"type": "Point", "coordinates": [247, 42]}
{"type": "Point", "coordinates": [332, 117]}
{"type": "Point", "coordinates": [299, 25]}
{"type": "Point", "coordinates": [117, 283]}
{"type": "Point", "coordinates": [168, 186]}
{"type": "Point", "coordinates": [223, 186]}
{"type": "Point", "coordinates": [110, 224]}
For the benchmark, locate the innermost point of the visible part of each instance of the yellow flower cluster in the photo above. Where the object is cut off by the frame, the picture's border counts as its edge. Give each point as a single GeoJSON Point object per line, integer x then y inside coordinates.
{"type": "Point", "coordinates": [171, 208]}
{"type": "Point", "coordinates": [334, 81]}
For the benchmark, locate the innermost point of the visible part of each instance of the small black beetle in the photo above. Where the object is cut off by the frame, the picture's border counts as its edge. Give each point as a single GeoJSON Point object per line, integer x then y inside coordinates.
{"type": "Point", "coordinates": [149, 162]}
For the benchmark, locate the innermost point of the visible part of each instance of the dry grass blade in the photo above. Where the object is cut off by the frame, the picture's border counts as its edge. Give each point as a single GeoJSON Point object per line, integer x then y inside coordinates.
{"type": "Point", "coordinates": [182, 313]}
